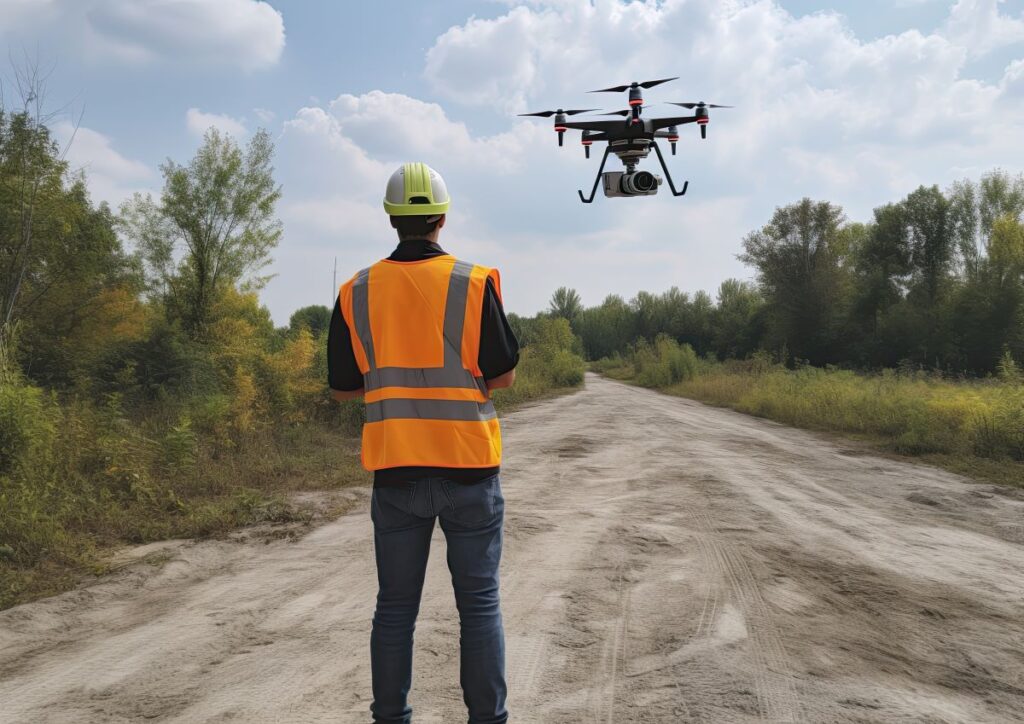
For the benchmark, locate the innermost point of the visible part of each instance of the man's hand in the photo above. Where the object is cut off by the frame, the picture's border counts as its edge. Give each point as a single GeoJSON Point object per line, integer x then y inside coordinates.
{"type": "Point", "coordinates": [342, 395]}
{"type": "Point", "coordinates": [502, 381]}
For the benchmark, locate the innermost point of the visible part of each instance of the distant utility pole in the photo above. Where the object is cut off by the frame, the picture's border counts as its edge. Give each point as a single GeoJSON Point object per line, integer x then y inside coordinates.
{"type": "Point", "coordinates": [334, 285]}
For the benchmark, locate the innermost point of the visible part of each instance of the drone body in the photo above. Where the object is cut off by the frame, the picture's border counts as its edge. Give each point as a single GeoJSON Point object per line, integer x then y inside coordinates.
{"type": "Point", "coordinates": [630, 139]}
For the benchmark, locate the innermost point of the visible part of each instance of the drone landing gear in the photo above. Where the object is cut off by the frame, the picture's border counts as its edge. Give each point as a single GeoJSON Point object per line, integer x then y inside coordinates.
{"type": "Point", "coordinates": [664, 167]}
{"type": "Point", "coordinates": [593, 191]}
{"type": "Point", "coordinates": [668, 176]}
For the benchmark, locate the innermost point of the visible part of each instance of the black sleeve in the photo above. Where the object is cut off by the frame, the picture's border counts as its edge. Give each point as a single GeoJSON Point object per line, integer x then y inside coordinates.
{"type": "Point", "coordinates": [499, 348]}
{"type": "Point", "coordinates": [342, 371]}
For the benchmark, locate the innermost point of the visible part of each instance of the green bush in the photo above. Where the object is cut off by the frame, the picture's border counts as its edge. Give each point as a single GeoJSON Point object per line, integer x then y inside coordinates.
{"type": "Point", "coordinates": [28, 423]}
{"type": "Point", "coordinates": [663, 363]}
{"type": "Point", "coordinates": [549, 362]}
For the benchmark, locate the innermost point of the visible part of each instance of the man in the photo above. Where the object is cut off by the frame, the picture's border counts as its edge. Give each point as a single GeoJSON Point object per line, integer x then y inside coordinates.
{"type": "Point", "coordinates": [423, 338]}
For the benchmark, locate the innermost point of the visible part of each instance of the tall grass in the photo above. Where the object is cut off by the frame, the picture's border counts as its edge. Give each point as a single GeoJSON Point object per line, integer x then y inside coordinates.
{"type": "Point", "coordinates": [915, 413]}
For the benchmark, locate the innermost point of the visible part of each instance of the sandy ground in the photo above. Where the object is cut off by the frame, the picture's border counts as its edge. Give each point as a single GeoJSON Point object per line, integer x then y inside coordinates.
{"type": "Point", "coordinates": [664, 562]}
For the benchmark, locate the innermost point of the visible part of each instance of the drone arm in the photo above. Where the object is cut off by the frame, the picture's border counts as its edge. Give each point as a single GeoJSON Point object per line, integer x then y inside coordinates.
{"type": "Point", "coordinates": [597, 180]}
{"type": "Point", "coordinates": [600, 126]}
{"type": "Point", "coordinates": [668, 176]}
{"type": "Point", "coordinates": [658, 123]}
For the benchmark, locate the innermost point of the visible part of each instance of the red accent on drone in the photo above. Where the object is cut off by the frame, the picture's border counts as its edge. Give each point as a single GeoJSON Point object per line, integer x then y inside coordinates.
{"type": "Point", "coordinates": [561, 128]}
{"type": "Point", "coordinates": [702, 121]}
{"type": "Point", "coordinates": [587, 143]}
{"type": "Point", "coordinates": [673, 139]}
{"type": "Point", "coordinates": [636, 102]}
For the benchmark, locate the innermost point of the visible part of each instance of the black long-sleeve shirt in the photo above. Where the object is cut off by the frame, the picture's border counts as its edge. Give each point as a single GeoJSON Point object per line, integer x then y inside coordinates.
{"type": "Point", "coordinates": [499, 353]}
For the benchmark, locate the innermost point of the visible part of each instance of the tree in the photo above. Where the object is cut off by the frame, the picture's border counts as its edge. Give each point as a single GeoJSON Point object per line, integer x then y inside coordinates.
{"type": "Point", "coordinates": [83, 300]}
{"type": "Point", "coordinates": [316, 318]}
{"type": "Point", "coordinates": [975, 208]}
{"type": "Point", "coordinates": [32, 172]}
{"type": "Point", "coordinates": [1006, 247]}
{"type": "Point", "coordinates": [798, 258]}
{"type": "Point", "coordinates": [565, 303]}
{"type": "Point", "coordinates": [735, 328]}
{"type": "Point", "coordinates": [219, 209]}
{"type": "Point", "coordinates": [607, 328]}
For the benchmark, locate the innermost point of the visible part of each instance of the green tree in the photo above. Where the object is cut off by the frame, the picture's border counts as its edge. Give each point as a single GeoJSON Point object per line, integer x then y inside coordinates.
{"type": "Point", "coordinates": [735, 329]}
{"type": "Point", "coordinates": [316, 318]}
{"type": "Point", "coordinates": [32, 173]}
{"type": "Point", "coordinates": [975, 208]}
{"type": "Point", "coordinates": [220, 210]}
{"type": "Point", "coordinates": [83, 301]}
{"type": "Point", "coordinates": [565, 303]}
{"type": "Point", "coordinates": [607, 328]}
{"type": "Point", "coordinates": [798, 258]}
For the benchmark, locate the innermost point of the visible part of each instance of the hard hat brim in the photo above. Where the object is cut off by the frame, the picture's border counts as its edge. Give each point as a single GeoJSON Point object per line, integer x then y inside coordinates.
{"type": "Point", "coordinates": [416, 209]}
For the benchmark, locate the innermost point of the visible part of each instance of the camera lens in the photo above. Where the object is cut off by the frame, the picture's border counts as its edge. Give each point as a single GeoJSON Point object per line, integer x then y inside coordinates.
{"type": "Point", "coordinates": [644, 181]}
{"type": "Point", "coordinates": [639, 182]}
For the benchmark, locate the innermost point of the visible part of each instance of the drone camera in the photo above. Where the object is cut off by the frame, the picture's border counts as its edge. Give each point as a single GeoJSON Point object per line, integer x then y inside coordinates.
{"type": "Point", "coordinates": [636, 183]}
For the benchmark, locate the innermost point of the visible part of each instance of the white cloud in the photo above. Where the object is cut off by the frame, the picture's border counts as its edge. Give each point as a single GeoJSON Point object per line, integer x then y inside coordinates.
{"type": "Point", "coordinates": [247, 34]}
{"type": "Point", "coordinates": [265, 116]}
{"type": "Point", "coordinates": [198, 122]}
{"type": "Point", "coordinates": [111, 177]}
{"type": "Point", "coordinates": [980, 27]}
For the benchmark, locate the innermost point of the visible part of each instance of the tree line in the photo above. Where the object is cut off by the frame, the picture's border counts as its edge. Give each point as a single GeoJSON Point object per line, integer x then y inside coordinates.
{"type": "Point", "coordinates": [933, 281]}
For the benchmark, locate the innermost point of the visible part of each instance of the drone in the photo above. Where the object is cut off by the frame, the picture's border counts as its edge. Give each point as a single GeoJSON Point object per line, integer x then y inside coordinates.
{"type": "Point", "coordinates": [631, 138]}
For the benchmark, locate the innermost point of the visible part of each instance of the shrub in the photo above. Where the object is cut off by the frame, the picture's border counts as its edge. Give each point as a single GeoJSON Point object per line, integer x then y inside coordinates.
{"type": "Point", "coordinates": [663, 363]}
{"type": "Point", "coordinates": [28, 423]}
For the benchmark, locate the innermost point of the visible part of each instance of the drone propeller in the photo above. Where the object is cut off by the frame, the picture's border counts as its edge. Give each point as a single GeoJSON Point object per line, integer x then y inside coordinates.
{"type": "Point", "coordinates": [634, 84]}
{"type": "Point", "coordinates": [700, 104]}
{"type": "Point", "coordinates": [620, 113]}
{"type": "Point", "coordinates": [560, 114]}
{"type": "Point", "coordinates": [702, 113]}
{"type": "Point", "coordinates": [548, 114]}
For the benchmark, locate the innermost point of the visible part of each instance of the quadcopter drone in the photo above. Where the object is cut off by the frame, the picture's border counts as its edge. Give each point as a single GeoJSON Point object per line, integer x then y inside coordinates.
{"type": "Point", "coordinates": [631, 139]}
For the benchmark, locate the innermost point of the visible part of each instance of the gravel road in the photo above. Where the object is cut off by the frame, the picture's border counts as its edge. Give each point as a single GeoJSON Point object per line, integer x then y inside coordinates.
{"type": "Point", "coordinates": [664, 561]}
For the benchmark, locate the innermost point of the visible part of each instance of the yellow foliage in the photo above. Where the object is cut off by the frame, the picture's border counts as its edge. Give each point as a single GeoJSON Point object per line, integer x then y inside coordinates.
{"type": "Point", "coordinates": [244, 406]}
{"type": "Point", "coordinates": [1006, 245]}
{"type": "Point", "coordinates": [291, 369]}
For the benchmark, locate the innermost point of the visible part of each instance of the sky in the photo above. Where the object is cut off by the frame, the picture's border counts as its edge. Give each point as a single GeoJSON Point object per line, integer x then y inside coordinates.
{"type": "Point", "coordinates": [854, 102]}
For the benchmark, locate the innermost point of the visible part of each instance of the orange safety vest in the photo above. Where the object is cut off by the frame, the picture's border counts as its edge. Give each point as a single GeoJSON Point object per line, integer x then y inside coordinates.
{"type": "Point", "coordinates": [415, 328]}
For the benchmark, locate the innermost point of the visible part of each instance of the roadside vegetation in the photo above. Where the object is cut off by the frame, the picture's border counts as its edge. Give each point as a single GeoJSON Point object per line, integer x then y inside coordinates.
{"type": "Point", "coordinates": [970, 426]}
{"type": "Point", "coordinates": [145, 393]}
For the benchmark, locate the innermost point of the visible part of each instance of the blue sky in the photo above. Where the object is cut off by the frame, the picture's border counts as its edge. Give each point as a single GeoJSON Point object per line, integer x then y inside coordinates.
{"type": "Point", "coordinates": [853, 102]}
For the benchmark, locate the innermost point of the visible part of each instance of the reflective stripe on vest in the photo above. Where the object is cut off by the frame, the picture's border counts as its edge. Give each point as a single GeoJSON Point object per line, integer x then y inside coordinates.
{"type": "Point", "coordinates": [451, 375]}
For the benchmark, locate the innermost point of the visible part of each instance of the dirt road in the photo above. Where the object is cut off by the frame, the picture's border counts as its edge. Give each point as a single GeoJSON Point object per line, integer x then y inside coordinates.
{"type": "Point", "coordinates": [664, 562]}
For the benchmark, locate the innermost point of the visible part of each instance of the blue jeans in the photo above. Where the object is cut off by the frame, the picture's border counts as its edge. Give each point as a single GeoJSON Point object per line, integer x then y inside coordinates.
{"type": "Point", "coordinates": [403, 521]}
